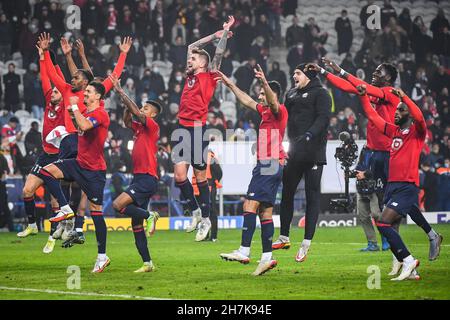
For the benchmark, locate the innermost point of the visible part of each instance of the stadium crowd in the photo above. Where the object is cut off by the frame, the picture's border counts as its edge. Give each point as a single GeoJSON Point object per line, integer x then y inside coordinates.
{"type": "Point", "coordinates": [156, 62]}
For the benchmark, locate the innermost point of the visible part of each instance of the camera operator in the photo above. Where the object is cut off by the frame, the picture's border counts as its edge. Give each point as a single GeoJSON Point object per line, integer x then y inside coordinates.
{"type": "Point", "coordinates": [367, 203]}
{"type": "Point", "coordinates": [309, 108]}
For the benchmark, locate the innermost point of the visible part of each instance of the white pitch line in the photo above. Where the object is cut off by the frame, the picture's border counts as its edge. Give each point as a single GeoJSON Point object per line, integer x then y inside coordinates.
{"type": "Point", "coordinates": [76, 293]}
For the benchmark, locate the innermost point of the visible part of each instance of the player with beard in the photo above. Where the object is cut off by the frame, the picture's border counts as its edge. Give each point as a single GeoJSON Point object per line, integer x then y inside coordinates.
{"type": "Point", "coordinates": [189, 143]}
{"type": "Point", "coordinates": [401, 197]}
{"type": "Point", "coordinates": [53, 117]}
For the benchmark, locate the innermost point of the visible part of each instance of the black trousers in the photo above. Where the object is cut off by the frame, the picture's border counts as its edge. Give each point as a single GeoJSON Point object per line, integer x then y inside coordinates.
{"type": "Point", "coordinates": [5, 213]}
{"type": "Point", "coordinates": [292, 174]}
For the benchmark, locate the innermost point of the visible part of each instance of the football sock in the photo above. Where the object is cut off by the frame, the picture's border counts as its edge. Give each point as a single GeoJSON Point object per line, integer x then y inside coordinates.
{"type": "Point", "coordinates": [140, 239]}
{"type": "Point", "coordinates": [267, 230]}
{"type": "Point", "coordinates": [100, 230]}
{"type": "Point", "coordinates": [134, 211]}
{"type": "Point", "coordinates": [188, 193]}
{"type": "Point", "coordinates": [420, 220]}
{"type": "Point", "coordinates": [204, 197]}
{"type": "Point", "coordinates": [306, 243]}
{"type": "Point", "coordinates": [245, 251]}
{"type": "Point", "coordinates": [248, 229]}
{"type": "Point", "coordinates": [79, 222]}
{"type": "Point", "coordinates": [29, 209]}
{"type": "Point", "coordinates": [398, 248]}
{"type": "Point", "coordinates": [53, 225]}
{"type": "Point", "coordinates": [53, 186]}
{"type": "Point", "coordinates": [266, 256]}
{"type": "Point", "coordinates": [75, 197]}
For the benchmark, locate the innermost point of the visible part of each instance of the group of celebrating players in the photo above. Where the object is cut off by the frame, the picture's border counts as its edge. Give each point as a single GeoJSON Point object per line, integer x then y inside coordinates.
{"type": "Point", "coordinates": [76, 125]}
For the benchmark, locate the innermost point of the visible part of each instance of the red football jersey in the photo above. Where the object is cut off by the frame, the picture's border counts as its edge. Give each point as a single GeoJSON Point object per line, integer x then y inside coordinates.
{"type": "Point", "coordinates": [406, 147]}
{"type": "Point", "coordinates": [53, 117]}
{"type": "Point", "coordinates": [271, 133]}
{"type": "Point", "coordinates": [386, 109]}
{"type": "Point", "coordinates": [91, 143]}
{"type": "Point", "coordinates": [145, 147]}
{"type": "Point", "coordinates": [197, 93]}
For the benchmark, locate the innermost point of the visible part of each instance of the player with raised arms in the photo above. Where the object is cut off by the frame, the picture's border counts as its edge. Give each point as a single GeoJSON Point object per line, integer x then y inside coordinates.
{"type": "Point", "coordinates": [268, 172]}
{"type": "Point", "coordinates": [134, 201]}
{"type": "Point", "coordinates": [189, 142]}
{"type": "Point", "coordinates": [407, 137]}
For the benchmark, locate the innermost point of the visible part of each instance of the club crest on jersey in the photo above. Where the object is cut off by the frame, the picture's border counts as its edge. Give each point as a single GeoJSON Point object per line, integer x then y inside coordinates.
{"type": "Point", "coordinates": [305, 95]}
{"type": "Point", "coordinates": [51, 114]}
{"type": "Point", "coordinates": [397, 143]}
{"type": "Point", "coordinates": [191, 82]}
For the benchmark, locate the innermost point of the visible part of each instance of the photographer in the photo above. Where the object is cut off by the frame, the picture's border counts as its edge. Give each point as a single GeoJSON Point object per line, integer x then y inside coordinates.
{"type": "Point", "coordinates": [309, 107]}
{"type": "Point", "coordinates": [367, 204]}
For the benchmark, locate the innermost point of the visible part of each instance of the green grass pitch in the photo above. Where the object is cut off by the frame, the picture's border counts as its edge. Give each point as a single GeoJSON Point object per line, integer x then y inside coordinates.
{"type": "Point", "coordinates": [335, 269]}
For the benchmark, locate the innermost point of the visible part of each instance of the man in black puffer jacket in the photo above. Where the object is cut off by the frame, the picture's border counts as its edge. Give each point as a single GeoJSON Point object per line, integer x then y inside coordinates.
{"type": "Point", "coordinates": [309, 109]}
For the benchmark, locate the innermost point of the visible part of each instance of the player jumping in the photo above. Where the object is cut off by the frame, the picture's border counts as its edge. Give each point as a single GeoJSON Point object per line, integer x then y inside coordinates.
{"type": "Point", "coordinates": [53, 117]}
{"type": "Point", "coordinates": [189, 142]}
{"type": "Point", "coordinates": [268, 172]}
{"type": "Point", "coordinates": [401, 197]}
{"type": "Point", "coordinates": [134, 201]}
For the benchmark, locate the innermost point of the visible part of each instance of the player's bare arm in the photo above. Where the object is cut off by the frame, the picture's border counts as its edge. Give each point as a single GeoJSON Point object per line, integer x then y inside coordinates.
{"type": "Point", "coordinates": [243, 98]}
{"type": "Point", "coordinates": [129, 104]}
{"type": "Point", "coordinates": [82, 123]}
{"type": "Point", "coordinates": [222, 45]}
{"type": "Point", "coordinates": [66, 48]}
{"type": "Point", "coordinates": [370, 112]}
{"type": "Point", "coordinates": [80, 48]}
{"type": "Point", "coordinates": [272, 100]}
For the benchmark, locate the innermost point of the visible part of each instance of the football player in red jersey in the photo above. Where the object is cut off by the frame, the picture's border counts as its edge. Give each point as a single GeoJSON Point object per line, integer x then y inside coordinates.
{"type": "Point", "coordinates": [53, 117]}
{"type": "Point", "coordinates": [189, 145]}
{"type": "Point", "coordinates": [401, 197]}
{"type": "Point", "coordinates": [134, 201]}
{"type": "Point", "coordinates": [268, 172]}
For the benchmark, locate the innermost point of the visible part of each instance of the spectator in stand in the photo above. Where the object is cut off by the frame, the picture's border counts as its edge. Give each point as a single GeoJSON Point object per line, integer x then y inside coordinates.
{"type": "Point", "coordinates": [364, 15]}
{"type": "Point", "coordinates": [111, 23]}
{"type": "Point", "coordinates": [294, 34]}
{"type": "Point", "coordinates": [435, 156]}
{"type": "Point", "coordinates": [430, 184]}
{"type": "Point", "coordinates": [92, 17]}
{"type": "Point", "coordinates": [27, 41]}
{"type": "Point", "coordinates": [405, 21]}
{"type": "Point", "coordinates": [439, 26]}
{"type": "Point", "coordinates": [157, 84]}
{"type": "Point", "coordinates": [11, 81]}
{"type": "Point", "coordinates": [245, 33]}
{"type": "Point", "coordinates": [33, 145]}
{"type": "Point", "coordinates": [387, 12]}
{"type": "Point", "coordinates": [157, 32]}
{"type": "Point", "coordinates": [6, 223]}
{"type": "Point", "coordinates": [227, 63]}
{"type": "Point", "coordinates": [348, 64]}
{"type": "Point", "coordinates": [276, 74]}
{"type": "Point", "coordinates": [126, 22]}
{"type": "Point", "coordinates": [178, 53]}
{"type": "Point", "coordinates": [11, 137]}
{"type": "Point", "coordinates": [142, 21]}
{"type": "Point", "coordinates": [259, 51]}
{"type": "Point", "coordinates": [294, 57]}
{"type": "Point", "coordinates": [136, 58]}
{"type": "Point", "coordinates": [6, 34]}
{"type": "Point", "coordinates": [333, 130]}
{"type": "Point", "coordinates": [421, 42]}
{"type": "Point", "coordinates": [262, 28]}
{"type": "Point", "coordinates": [344, 31]}
{"type": "Point", "coordinates": [34, 100]}
{"type": "Point", "coordinates": [56, 17]}
{"type": "Point", "coordinates": [175, 94]}
{"type": "Point", "coordinates": [313, 37]}
{"type": "Point", "coordinates": [245, 75]}
{"type": "Point", "coordinates": [178, 31]}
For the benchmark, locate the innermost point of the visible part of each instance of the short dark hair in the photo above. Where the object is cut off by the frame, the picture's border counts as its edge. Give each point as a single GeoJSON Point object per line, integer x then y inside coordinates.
{"type": "Point", "coordinates": [276, 87]}
{"type": "Point", "coordinates": [14, 119]}
{"type": "Point", "coordinates": [392, 70]}
{"type": "Point", "coordinates": [155, 104]}
{"type": "Point", "coordinates": [203, 53]}
{"type": "Point", "coordinates": [99, 88]}
{"type": "Point", "coordinates": [87, 75]}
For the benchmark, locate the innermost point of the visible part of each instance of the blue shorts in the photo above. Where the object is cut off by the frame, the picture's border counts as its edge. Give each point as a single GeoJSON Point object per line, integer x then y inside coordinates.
{"type": "Point", "coordinates": [189, 145]}
{"type": "Point", "coordinates": [68, 149]}
{"type": "Point", "coordinates": [91, 182]}
{"type": "Point", "coordinates": [43, 160]}
{"type": "Point", "coordinates": [142, 188]}
{"type": "Point", "coordinates": [401, 197]}
{"type": "Point", "coordinates": [266, 179]}
{"type": "Point", "coordinates": [378, 163]}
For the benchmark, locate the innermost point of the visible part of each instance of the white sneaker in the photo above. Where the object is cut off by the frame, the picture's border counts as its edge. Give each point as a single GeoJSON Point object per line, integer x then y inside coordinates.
{"type": "Point", "coordinates": [203, 229]}
{"type": "Point", "coordinates": [49, 246]}
{"type": "Point", "coordinates": [301, 254]}
{"type": "Point", "coordinates": [264, 266]}
{"type": "Point", "coordinates": [67, 229]}
{"type": "Point", "coordinates": [59, 230]}
{"type": "Point", "coordinates": [236, 255]}
{"type": "Point", "coordinates": [414, 275]}
{"type": "Point", "coordinates": [407, 269]}
{"type": "Point", "coordinates": [196, 219]}
{"type": "Point", "coordinates": [396, 266]}
{"type": "Point", "coordinates": [100, 265]}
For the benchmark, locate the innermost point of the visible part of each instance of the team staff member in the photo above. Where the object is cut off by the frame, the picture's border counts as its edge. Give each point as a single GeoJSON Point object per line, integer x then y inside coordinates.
{"type": "Point", "coordinates": [309, 107]}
